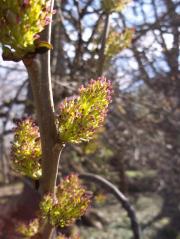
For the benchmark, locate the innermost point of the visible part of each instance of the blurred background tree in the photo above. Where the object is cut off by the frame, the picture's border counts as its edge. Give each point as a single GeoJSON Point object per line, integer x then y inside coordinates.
{"type": "Point", "coordinates": [139, 148]}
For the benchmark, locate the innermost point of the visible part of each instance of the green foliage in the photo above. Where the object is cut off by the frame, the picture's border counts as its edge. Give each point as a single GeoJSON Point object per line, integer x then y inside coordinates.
{"type": "Point", "coordinates": [71, 202]}
{"type": "Point", "coordinates": [26, 149]}
{"type": "Point", "coordinates": [28, 230]}
{"type": "Point", "coordinates": [110, 6]}
{"type": "Point", "coordinates": [21, 21]}
{"type": "Point", "coordinates": [80, 117]}
{"type": "Point", "coordinates": [116, 42]}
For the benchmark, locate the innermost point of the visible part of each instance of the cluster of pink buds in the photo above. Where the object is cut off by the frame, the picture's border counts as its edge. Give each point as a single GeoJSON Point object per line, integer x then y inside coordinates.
{"type": "Point", "coordinates": [28, 230]}
{"type": "Point", "coordinates": [21, 21]}
{"type": "Point", "coordinates": [71, 203]}
{"type": "Point", "coordinates": [26, 149]}
{"type": "Point", "coordinates": [80, 117]}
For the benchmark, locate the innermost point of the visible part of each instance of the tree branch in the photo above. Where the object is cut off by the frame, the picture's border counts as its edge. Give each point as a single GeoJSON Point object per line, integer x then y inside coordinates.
{"type": "Point", "coordinates": [103, 45]}
{"type": "Point", "coordinates": [39, 71]}
{"type": "Point", "coordinates": [120, 197]}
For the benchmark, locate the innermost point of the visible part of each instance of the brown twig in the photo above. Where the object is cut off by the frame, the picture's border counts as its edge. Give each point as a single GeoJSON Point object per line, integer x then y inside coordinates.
{"type": "Point", "coordinates": [120, 197]}
{"type": "Point", "coordinates": [103, 45]}
{"type": "Point", "coordinates": [39, 71]}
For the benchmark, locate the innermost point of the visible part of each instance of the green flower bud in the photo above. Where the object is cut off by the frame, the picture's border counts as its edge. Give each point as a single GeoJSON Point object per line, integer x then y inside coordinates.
{"type": "Point", "coordinates": [46, 205]}
{"type": "Point", "coordinates": [80, 117]}
{"type": "Point", "coordinates": [114, 5]}
{"type": "Point", "coordinates": [26, 149]}
{"type": "Point", "coordinates": [116, 42]}
{"type": "Point", "coordinates": [20, 22]}
{"type": "Point", "coordinates": [70, 204]}
{"type": "Point", "coordinates": [28, 230]}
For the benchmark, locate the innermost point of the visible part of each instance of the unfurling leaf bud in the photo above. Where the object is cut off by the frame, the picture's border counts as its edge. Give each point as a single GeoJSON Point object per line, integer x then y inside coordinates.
{"type": "Point", "coordinates": [28, 230]}
{"type": "Point", "coordinates": [80, 117]}
{"type": "Point", "coordinates": [26, 149]}
{"type": "Point", "coordinates": [71, 203]}
{"type": "Point", "coordinates": [116, 42]}
{"type": "Point", "coordinates": [110, 6]}
{"type": "Point", "coordinates": [20, 22]}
